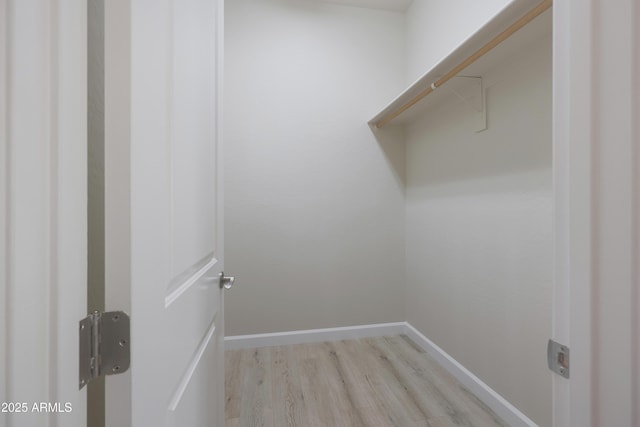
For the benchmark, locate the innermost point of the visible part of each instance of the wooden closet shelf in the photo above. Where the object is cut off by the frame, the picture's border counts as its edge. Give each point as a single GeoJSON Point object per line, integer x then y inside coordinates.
{"type": "Point", "coordinates": [510, 31]}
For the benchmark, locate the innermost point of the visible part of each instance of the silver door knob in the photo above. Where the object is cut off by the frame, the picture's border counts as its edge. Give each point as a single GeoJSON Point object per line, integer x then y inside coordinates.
{"type": "Point", "coordinates": [226, 281]}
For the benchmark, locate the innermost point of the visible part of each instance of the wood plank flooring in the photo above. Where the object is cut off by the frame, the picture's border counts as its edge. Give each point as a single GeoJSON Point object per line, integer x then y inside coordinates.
{"type": "Point", "coordinates": [378, 382]}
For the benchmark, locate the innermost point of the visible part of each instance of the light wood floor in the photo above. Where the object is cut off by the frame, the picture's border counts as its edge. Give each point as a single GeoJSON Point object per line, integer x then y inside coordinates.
{"type": "Point", "coordinates": [369, 382]}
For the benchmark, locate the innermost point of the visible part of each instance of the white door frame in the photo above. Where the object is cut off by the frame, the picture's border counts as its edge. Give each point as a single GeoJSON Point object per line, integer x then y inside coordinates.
{"type": "Point", "coordinates": [597, 210]}
{"type": "Point", "coordinates": [42, 206]}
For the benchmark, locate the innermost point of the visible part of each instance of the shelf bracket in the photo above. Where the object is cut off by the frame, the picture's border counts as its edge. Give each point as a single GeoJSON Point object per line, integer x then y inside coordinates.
{"type": "Point", "coordinates": [475, 100]}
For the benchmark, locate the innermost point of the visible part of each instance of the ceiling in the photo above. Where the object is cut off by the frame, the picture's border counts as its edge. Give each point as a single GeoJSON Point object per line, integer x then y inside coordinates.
{"type": "Point", "coordinates": [397, 5]}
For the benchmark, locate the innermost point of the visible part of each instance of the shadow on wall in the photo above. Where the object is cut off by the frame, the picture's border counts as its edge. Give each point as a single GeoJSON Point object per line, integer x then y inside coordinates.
{"type": "Point", "coordinates": [479, 232]}
{"type": "Point", "coordinates": [388, 139]}
{"type": "Point", "coordinates": [451, 152]}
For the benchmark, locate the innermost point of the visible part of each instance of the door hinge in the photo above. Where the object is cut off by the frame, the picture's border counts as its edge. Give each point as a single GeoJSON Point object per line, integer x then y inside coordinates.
{"type": "Point", "coordinates": [558, 358]}
{"type": "Point", "coordinates": [104, 345]}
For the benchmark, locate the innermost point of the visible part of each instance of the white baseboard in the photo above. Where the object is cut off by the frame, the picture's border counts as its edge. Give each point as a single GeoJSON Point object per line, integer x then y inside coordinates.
{"type": "Point", "coordinates": [313, 335]}
{"type": "Point", "coordinates": [505, 410]}
{"type": "Point", "coordinates": [509, 413]}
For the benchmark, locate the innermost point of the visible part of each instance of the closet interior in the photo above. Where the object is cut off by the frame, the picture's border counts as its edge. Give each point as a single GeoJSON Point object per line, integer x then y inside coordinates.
{"type": "Point", "coordinates": [391, 162]}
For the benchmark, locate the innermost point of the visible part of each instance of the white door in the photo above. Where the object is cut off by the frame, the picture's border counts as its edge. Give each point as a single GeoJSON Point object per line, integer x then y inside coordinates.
{"type": "Point", "coordinates": [43, 219]}
{"type": "Point", "coordinates": [163, 220]}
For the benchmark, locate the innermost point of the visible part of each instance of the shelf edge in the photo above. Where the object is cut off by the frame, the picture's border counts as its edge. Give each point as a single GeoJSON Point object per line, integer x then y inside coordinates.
{"type": "Point", "coordinates": [424, 85]}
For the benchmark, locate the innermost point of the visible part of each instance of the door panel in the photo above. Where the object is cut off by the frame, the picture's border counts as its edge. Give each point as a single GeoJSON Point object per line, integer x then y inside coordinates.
{"type": "Point", "coordinates": [168, 206]}
{"type": "Point", "coordinates": [194, 157]}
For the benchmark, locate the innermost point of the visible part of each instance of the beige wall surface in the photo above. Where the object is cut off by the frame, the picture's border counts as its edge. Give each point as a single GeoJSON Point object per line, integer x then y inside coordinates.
{"type": "Point", "coordinates": [314, 205]}
{"type": "Point", "coordinates": [479, 231]}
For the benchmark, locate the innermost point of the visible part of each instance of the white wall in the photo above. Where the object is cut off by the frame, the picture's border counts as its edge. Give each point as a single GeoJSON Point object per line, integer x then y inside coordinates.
{"type": "Point", "coordinates": [479, 232]}
{"type": "Point", "coordinates": [435, 28]}
{"type": "Point", "coordinates": [314, 205]}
